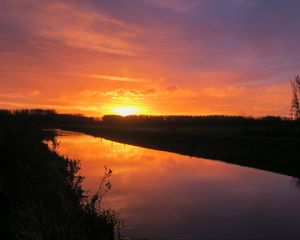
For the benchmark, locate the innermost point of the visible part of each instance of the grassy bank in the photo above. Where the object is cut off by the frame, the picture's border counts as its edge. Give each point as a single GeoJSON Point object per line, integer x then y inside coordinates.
{"type": "Point", "coordinates": [40, 192]}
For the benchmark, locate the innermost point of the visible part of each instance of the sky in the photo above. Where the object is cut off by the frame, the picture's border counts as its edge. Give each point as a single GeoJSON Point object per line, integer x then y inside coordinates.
{"type": "Point", "coordinates": [191, 57]}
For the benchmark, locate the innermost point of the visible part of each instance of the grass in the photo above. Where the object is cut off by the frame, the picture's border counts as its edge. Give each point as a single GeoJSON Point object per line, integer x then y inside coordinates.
{"type": "Point", "coordinates": [40, 191]}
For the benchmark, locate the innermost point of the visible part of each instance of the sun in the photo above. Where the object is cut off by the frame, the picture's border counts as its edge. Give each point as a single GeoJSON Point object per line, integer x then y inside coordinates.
{"type": "Point", "coordinates": [125, 111]}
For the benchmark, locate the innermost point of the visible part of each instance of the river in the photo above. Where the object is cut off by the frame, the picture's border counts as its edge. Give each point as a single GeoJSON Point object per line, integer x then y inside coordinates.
{"type": "Point", "coordinates": [162, 195]}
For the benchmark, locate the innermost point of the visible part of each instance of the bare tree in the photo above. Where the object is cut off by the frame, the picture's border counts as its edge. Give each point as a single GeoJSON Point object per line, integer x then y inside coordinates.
{"type": "Point", "coordinates": [295, 106]}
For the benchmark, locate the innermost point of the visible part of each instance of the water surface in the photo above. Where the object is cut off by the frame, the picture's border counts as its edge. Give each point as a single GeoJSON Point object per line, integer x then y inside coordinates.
{"type": "Point", "coordinates": [163, 195]}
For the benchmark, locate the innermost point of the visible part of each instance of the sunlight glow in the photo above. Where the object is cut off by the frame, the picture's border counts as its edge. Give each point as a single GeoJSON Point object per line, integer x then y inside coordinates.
{"type": "Point", "coordinates": [125, 111]}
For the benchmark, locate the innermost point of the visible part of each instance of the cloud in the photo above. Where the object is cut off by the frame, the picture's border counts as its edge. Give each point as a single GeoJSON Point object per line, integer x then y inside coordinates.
{"type": "Point", "coordinates": [87, 29]}
{"type": "Point", "coordinates": [255, 101]}
{"type": "Point", "coordinates": [127, 95]}
{"type": "Point", "coordinates": [230, 91]}
{"type": "Point", "coordinates": [177, 6]}
{"type": "Point", "coordinates": [34, 93]}
{"type": "Point", "coordinates": [88, 93]}
{"type": "Point", "coordinates": [116, 78]}
{"type": "Point", "coordinates": [122, 94]}
{"type": "Point", "coordinates": [20, 94]}
{"type": "Point", "coordinates": [74, 25]}
{"type": "Point", "coordinates": [172, 88]}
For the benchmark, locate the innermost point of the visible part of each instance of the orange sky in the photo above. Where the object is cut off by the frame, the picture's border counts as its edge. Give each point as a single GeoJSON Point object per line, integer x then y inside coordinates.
{"type": "Point", "coordinates": [149, 56]}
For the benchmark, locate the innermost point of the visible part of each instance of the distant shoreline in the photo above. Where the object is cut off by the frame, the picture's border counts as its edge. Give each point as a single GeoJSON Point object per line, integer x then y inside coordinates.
{"type": "Point", "coordinates": [271, 153]}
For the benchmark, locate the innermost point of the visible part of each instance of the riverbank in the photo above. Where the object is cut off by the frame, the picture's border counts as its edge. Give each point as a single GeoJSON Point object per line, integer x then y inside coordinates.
{"type": "Point", "coordinates": [268, 150]}
{"type": "Point", "coordinates": [40, 191]}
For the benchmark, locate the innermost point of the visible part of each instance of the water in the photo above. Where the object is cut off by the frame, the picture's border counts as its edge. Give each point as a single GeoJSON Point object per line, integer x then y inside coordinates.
{"type": "Point", "coordinates": [163, 195]}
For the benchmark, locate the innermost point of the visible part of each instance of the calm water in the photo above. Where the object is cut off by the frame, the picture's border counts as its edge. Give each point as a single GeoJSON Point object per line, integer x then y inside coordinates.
{"type": "Point", "coordinates": [163, 195]}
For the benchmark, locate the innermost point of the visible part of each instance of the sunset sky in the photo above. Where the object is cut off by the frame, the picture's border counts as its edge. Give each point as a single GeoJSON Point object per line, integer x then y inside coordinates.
{"type": "Point", "coordinates": [100, 57]}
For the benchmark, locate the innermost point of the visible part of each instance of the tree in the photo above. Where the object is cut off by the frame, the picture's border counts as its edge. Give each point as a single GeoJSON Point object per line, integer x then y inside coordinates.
{"type": "Point", "coordinates": [295, 106]}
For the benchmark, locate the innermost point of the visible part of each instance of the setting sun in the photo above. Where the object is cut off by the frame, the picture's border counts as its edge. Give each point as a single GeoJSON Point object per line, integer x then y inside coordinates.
{"type": "Point", "coordinates": [125, 111]}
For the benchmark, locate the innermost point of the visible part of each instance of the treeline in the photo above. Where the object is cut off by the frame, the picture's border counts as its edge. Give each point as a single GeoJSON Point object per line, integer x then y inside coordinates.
{"type": "Point", "coordinates": [50, 117]}
{"type": "Point", "coordinates": [46, 117]}
{"type": "Point", "coordinates": [220, 120]}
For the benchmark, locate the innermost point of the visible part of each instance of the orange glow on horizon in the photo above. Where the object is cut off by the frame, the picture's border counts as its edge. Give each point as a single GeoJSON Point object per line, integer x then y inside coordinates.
{"type": "Point", "coordinates": [125, 111]}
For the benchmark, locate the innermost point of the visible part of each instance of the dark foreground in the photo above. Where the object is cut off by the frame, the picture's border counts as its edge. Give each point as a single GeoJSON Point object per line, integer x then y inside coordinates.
{"type": "Point", "coordinates": [40, 192]}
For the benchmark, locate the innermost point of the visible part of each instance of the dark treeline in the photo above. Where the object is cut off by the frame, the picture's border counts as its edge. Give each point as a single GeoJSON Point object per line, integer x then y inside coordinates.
{"type": "Point", "coordinates": [41, 195]}
{"type": "Point", "coordinates": [216, 125]}
{"type": "Point", "coordinates": [51, 117]}
{"type": "Point", "coordinates": [46, 116]}
{"type": "Point", "coordinates": [196, 120]}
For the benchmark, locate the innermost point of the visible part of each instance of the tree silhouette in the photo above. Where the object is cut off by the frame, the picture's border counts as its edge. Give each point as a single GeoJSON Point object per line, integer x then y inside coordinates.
{"type": "Point", "coordinates": [295, 106]}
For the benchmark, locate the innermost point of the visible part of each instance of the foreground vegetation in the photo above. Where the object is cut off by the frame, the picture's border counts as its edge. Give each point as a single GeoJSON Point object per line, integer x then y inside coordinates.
{"type": "Point", "coordinates": [40, 191]}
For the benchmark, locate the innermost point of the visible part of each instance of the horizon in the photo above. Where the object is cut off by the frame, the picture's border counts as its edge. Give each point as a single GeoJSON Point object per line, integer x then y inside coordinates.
{"type": "Point", "coordinates": [147, 115]}
{"type": "Point", "coordinates": [149, 57]}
